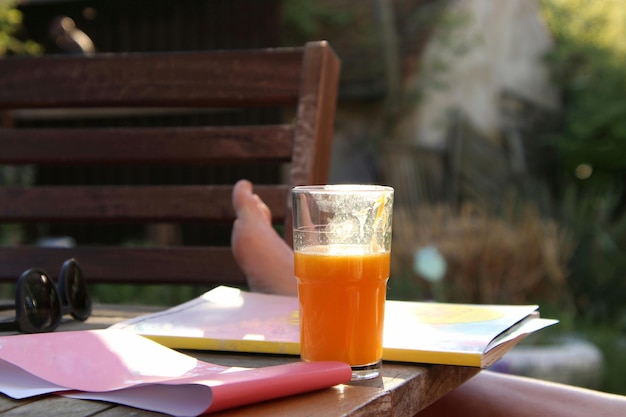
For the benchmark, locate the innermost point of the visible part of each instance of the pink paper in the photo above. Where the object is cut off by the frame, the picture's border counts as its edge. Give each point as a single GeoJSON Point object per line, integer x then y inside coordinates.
{"type": "Point", "coordinates": [122, 367]}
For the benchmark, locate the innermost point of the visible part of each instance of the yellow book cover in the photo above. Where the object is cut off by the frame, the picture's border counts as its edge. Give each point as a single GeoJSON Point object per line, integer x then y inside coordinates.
{"type": "Point", "coordinates": [228, 319]}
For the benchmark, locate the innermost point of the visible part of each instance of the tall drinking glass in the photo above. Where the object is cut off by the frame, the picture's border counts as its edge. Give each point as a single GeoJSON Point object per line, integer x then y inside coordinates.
{"type": "Point", "coordinates": [342, 244]}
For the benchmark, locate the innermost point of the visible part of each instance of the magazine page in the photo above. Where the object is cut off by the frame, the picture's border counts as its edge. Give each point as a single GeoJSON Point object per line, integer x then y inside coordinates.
{"type": "Point", "coordinates": [233, 320]}
{"type": "Point", "coordinates": [225, 319]}
{"type": "Point", "coordinates": [447, 333]}
{"type": "Point", "coordinates": [123, 367]}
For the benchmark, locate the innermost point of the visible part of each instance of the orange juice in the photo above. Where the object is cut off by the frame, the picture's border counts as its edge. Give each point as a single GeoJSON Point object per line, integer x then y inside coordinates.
{"type": "Point", "coordinates": [342, 300]}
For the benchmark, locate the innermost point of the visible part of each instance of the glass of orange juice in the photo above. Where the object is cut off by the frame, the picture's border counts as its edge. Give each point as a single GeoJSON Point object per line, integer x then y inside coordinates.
{"type": "Point", "coordinates": [342, 245]}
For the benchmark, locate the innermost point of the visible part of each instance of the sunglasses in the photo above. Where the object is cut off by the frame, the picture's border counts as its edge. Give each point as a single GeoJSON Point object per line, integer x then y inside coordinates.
{"type": "Point", "coordinates": [40, 305]}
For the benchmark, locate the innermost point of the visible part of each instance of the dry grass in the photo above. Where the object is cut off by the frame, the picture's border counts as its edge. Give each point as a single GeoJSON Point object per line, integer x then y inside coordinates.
{"type": "Point", "coordinates": [517, 257]}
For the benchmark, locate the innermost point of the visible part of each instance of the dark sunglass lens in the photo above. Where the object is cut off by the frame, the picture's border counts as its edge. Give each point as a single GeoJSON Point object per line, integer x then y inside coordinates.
{"type": "Point", "coordinates": [74, 290]}
{"type": "Point", "coordinates": [39, 303]}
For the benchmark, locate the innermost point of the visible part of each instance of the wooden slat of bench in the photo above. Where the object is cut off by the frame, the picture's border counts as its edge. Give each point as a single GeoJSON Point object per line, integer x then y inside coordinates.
{"type": "Point", "coordinates": [154, 265]}
{"type": "Point", "coordinates": [221, 79]}
{"type": "Point", "coordinates": [201, 145]}
{"type": "Point", "coordinates": [130, 203]}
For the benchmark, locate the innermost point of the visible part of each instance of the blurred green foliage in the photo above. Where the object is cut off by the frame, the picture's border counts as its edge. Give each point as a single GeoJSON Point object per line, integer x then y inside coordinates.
{"type": "Point", "coordinates": [10, 24]}
{"type": "Point", "coordinates": [303, 20]}
{"type": "Point", "coordinates": [597, 269]}
{"type": "Point", "coordinates": [589, 65]}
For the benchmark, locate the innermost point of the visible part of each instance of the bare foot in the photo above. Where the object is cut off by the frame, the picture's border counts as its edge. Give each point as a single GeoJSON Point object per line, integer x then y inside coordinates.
{"type": "Point", "coordinates": [263, 255]}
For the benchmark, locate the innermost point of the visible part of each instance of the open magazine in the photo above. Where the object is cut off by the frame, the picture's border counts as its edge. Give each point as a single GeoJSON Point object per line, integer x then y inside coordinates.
{"type": "Point", "coordinates": [228, 319]}
{"type": "Point", "coordinates": [125, 368]}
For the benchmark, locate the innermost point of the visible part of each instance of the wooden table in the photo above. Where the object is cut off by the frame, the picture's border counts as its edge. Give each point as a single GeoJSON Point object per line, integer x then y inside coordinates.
{"type": "Point", "coordinates": [403, 389]}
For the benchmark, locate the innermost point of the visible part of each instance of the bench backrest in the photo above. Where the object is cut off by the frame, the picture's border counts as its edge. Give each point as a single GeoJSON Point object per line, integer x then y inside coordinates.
{"type": "Point", "coordinates": [303, 82]}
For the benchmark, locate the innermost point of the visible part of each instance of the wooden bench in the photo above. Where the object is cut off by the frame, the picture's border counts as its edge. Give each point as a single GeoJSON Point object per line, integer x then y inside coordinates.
{"type": "Point", "coordinates": [302, 82]}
